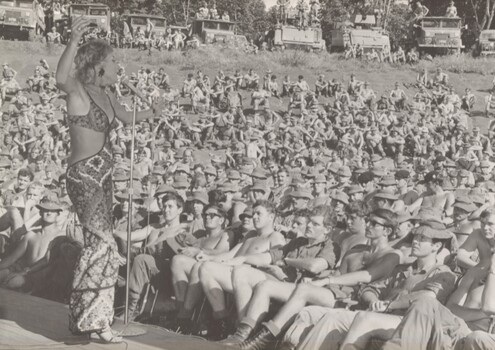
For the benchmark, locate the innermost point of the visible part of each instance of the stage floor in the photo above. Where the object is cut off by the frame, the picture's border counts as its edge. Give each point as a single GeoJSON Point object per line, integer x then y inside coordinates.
{"type": "Point", "coordinates": [28, 322]}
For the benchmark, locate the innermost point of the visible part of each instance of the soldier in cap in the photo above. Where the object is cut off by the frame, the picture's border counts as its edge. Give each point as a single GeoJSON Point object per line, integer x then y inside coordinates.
{"type": "Point", "coordinates": [324, 292]}
{"type": "Point", "coordinates": [32, 246]}
{"type": "Point", "coordinates": [409, 283]}
{"type": "Point", "coordinates": [465, 311]}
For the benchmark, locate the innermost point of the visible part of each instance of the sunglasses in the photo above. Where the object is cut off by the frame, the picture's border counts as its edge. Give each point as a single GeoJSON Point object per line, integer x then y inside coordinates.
{"type": "Point", "coordinates": [211, 215]}
{"type": "Point", "coordinates": [375, 223]}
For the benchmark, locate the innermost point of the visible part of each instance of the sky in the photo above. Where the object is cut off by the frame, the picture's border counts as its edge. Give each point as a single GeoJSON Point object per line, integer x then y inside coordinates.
{"type": "Point", "coordinates": [269, 3]}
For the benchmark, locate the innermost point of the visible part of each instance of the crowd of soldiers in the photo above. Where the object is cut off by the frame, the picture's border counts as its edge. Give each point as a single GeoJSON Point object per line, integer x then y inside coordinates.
{"type": "Point", "coordinates": [349, 215]}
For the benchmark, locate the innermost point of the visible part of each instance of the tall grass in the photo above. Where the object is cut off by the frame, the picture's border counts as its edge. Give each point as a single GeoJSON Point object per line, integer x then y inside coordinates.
{"type": "Point", "coordinates": [229, 59]}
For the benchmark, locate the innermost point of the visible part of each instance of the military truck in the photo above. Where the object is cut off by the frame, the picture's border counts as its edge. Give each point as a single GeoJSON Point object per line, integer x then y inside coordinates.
{"type": "Point", "coordinates": [290, 33]}
{"type": "Point", "coordinates": [21, 19]}
{"type": "Point", "coordinates": [292, 37]}
{"type": "Point", "coordinates": [212, 31]}
{"type": "Point", "coordinates": [486, 43]}
{"type": "Point", "coordinates": [141, 20]}
{"type": "Point", "coordinates": [98, 14]}
{"type": "Point", "coordinates": [362, 31]}
{"type": "Point", "coordinates": [438, 35]}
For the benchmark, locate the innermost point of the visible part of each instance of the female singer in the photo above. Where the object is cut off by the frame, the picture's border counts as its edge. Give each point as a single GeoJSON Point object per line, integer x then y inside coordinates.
{"type": "Point", "coordinates": [92, 112]}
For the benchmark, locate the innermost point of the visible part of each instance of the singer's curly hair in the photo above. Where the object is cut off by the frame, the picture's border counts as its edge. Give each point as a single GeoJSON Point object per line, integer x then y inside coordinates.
{"type": "Point", "coordinates": [87, 57]}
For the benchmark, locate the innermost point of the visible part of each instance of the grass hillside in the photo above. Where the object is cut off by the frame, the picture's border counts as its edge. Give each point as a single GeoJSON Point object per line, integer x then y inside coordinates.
{"type": "Point", "coordinates": [464, 71]}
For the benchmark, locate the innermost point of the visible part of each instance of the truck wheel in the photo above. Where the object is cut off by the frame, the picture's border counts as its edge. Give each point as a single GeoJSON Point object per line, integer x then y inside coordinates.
{"type": "Point", "coordinates": [31, 34]}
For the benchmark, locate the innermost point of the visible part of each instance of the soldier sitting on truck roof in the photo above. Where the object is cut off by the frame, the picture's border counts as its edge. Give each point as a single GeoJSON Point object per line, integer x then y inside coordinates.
{"type": "Point", "coordinates": [225, 16]}
{"type": "Point", "coordinates": [214, 12]}
{"type": "Point", "coordinates": [451, 10]}
{"type": "Point", "coordinates": [203, 12]}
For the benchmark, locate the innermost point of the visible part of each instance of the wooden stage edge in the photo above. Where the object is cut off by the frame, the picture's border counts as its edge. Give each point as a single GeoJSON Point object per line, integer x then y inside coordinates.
{"type": "Point", "coordinates": [28, 322]}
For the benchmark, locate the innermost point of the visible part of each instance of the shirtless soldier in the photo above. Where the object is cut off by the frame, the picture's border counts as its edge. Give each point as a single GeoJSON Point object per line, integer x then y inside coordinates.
{"type": "Point", "coordinates": [215, 274]}
{"type": "Point", "coordinates": [33, 246]}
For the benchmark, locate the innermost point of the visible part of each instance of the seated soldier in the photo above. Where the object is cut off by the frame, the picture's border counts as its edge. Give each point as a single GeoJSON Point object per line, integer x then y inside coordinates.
{"type": "Point", "coordinates": [399, 56]}
{"type": "Point", "coordinates": [259, 98]}
{"type": "Point", "coordinates": [321, 86]}
{"type": "Point", "coordinates": [281, 268]}
{"type": "Point", "coordinates": [412, 57]}
{"type": "Point", "coordinates": [467, 315]}
{"type": "Point", "coordinates": [53, 36]}
{"type": "Point", "coordinates": [8, 86]}
{"type": "Point", "coordinates": [440, 79]}
{"type": "Point", "coordinates": [215, 273]}
{"type": "Point", "coordinates": [373, 141]}
{"type": "Point", "coordinates": [33, 245]}
{"type": "Point", "coordinates": [388, 302]}
{"type": "Point", "coordinates": [251, 80]}
{"type": "Point", "coordinates": [377, 262]}
{"type": "Point", "coordinates": [212, 240]}
{"type": "Point", "coordinates": [435, 196]}
{"type": "Point", "coordinates": [157, 250]}
{"type": "Point", "coordinates": [398, 98]}
{"type": "Point", "coordinates": [468, 100]}
{"type": "Point", "coordinates": [490, 103]}
{"type": "Point", "coordinates": [189, 85]}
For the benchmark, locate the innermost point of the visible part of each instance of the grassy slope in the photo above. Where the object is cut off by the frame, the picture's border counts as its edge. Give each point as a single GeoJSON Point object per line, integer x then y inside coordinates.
{"type": "Point", "coordinates": [464, 71]}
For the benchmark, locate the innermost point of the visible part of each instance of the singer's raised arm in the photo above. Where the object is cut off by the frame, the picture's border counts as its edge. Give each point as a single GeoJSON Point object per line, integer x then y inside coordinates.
{"type": "Point", "coordinates": [64, 81]}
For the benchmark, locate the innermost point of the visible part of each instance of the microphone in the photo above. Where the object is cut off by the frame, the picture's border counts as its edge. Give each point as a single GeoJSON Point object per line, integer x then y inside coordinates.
{"type": "Point", "coordinates": [136, 92]}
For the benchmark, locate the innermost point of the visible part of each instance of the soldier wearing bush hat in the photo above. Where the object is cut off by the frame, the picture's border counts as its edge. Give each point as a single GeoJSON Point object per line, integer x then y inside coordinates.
{"type": "Point", "coordinates": [50, 202]}
{"type": "Point", "coordinates": [339, 196]}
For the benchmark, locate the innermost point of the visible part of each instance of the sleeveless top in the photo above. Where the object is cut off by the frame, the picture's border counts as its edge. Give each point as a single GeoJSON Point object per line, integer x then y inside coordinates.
{"type": "Point", "coordinates": [95, 119]}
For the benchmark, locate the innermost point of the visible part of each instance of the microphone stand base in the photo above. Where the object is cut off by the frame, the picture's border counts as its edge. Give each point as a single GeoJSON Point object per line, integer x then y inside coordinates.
{"type": "Point", "coordinates": [128, 330]}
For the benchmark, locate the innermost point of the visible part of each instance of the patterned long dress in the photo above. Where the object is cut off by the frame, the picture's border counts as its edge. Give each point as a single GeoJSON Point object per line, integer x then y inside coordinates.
{"type": "Point", "coordinates": [89, 185]}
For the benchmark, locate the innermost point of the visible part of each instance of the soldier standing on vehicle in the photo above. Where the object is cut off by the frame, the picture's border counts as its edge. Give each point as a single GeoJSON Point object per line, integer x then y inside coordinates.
{"type": "Point", "coordinates": [451, 10]}
{"type": "Point", "coordinates": [283, 5]}
{"type": "Point", "coordinates": [302, 9]}
{"type": "Point", "coordinates": [314, 12]}
{"type": "Point", "coordinates": [149, 28]}
{"type": "Point", "coordinates": [420, 10]}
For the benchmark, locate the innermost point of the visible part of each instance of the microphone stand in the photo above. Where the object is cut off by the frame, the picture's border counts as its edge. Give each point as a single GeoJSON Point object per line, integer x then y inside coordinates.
{"type": "Point", "coordinates": [128, 330]}
{"type": "Point", "coordinates": [129, 215]}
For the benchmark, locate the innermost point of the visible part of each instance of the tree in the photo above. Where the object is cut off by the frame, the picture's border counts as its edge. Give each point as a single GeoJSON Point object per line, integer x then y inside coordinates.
{"type": "Point", "coordinates": [483, 12]}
